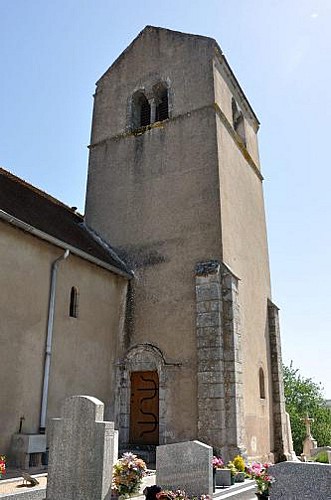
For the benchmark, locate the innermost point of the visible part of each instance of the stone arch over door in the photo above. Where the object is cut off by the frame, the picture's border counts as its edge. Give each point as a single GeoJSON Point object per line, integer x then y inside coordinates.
{"type": "Point", "coordinates": [140, 358]}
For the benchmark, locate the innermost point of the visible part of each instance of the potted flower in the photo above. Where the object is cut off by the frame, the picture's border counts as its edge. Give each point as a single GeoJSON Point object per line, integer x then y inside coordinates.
{"type": "Point", "coordinates": [171, 495]}
{"type": "Point", "coordinates": [263, 479]}
{"type": "Point", "coordinates": [240, 466]}
{"type": "Point", "coordinates": [178, 495]}
{"type": "Point", "coordinates": [128, 474]}
{"type": "Point", "coordinates": [233, 471]}
{"type": "Point", "coordinates": [2, 465]}
{"type": "Point", "coordinates": [222, 475]}
{"type": "Point", "coordinates": [217, 463]}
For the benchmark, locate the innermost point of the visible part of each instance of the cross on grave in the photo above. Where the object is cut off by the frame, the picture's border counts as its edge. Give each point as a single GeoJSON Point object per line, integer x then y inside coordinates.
{"type": "Point", "coordinates": [307, 422]}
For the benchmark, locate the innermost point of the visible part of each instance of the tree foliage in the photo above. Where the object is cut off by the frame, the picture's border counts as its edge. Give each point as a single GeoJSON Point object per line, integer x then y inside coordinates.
{"type": "Point", "coordinates": [305, 397]}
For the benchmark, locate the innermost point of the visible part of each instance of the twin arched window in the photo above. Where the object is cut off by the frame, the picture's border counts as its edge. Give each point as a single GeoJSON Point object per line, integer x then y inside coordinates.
{"type": "Point", "coordinates": [146, 111]}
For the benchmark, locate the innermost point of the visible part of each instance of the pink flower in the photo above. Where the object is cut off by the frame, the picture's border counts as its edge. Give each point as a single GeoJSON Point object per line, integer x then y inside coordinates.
{"type": "Point", "coordinates": [217, 462]}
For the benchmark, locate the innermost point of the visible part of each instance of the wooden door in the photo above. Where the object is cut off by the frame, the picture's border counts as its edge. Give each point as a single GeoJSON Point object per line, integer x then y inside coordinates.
{"type": "Point", "coordinates": [144, 408]}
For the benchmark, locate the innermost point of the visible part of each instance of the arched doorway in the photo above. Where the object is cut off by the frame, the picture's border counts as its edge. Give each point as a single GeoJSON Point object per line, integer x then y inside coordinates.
{"type": "Point", "coordinates": [141, 408]}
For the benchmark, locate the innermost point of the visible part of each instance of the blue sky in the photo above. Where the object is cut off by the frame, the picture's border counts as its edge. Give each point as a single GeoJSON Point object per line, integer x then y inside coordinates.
{"type": "Point", "coordinates": [53, 52]}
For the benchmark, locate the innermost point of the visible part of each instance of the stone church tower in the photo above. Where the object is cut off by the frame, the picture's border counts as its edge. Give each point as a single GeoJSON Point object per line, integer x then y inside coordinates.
{"type": "Point", "coordinates": [175, 186]}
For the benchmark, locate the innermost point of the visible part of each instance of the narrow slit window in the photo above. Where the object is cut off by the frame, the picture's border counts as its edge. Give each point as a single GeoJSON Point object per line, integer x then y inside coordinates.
{"type": "Point", "coordinates": [261, 383]}
{"type": "Point", "coordinates": [73, 308]}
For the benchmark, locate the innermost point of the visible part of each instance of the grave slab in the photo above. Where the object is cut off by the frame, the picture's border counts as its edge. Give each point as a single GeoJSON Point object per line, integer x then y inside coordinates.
{"type": "Point", "coordinates": [185, 466]}
{"type": "Point", "coordinates": [304, 481]}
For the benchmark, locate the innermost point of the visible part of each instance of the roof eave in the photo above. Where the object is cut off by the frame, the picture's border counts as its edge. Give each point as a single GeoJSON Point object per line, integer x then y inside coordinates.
{"type": "Point", "coordinates": [62, 244]}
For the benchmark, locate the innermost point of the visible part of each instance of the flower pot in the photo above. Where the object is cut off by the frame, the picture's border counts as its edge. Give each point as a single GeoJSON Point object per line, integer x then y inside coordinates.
{"type": "Point", "coordinates": [262, 496]}
{"type": "Point", "coordinates": [239, 477]}
{"type": "Point", "coordinates": [223, 477]}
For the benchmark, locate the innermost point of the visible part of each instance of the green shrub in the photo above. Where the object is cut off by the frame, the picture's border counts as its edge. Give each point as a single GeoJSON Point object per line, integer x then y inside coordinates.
{"type": "Point", "coordinates": [321, 457]}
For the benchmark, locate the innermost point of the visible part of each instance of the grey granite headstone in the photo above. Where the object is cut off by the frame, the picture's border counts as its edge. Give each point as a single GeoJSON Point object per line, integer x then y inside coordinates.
{"type": "Point", "coordinates": [301, 481]}
{"type": "Point", "coordinates": [185, 466]}
{"type": "Point", "coordinates": [81, 452]}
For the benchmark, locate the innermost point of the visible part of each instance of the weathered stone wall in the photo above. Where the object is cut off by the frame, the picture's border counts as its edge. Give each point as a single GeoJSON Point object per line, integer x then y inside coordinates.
{"type": "Point", "coordinates": [245, 251]}
{"type": "Point", "coordinates": [233, 372]}
{"type": "Point", "coordinates": [220, 385]}
{"type": "Point", "coordinates": [282, 447]}
{"type": "Point", "coordinates": [210, 352]}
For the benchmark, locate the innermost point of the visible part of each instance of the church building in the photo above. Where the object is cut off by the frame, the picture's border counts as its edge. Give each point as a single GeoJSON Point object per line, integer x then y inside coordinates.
{"type": "Point", "coordinates": [189, 336]}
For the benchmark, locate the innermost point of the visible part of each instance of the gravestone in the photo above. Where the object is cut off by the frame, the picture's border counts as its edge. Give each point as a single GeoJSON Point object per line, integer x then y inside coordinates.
{"type": "Point", "coordinates": [81, 452]}
{"type": "Point", "coordinates": [304, 481]}
{"type": "Point", "coordinates": [309, 442]}
{"type": "Point", "coordinates": [185, 466]}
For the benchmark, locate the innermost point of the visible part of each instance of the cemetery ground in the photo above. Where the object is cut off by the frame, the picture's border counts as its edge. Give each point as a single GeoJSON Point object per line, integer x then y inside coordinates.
{"type": "Point", "coordinates": [84, 448]}
{"type": "Point", "coordinates": [8, 488]}
{"type": "Point", "coordinates": [296, 481]}
{"type": "Point", "coordinates": [13, 488]}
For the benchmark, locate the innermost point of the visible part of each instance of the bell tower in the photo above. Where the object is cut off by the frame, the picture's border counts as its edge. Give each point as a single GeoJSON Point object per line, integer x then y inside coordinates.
{"type": "Point", "coordinates": [175, 186]}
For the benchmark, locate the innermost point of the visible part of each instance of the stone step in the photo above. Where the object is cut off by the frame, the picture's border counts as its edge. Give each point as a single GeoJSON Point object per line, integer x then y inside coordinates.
{"type": "Point", "coordinates": [236, 491]}
{"type": "Point", "coordinates": [239, 491]}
